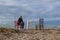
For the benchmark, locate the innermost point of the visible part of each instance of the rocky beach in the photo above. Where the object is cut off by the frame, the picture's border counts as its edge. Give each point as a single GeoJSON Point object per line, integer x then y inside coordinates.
{"type": "Point", "coordinates": [13, 34]}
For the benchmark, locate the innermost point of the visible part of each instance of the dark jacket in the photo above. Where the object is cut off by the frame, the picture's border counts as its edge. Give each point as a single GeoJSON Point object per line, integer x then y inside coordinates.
{"type": "Point", "coordinates": [20, 20]}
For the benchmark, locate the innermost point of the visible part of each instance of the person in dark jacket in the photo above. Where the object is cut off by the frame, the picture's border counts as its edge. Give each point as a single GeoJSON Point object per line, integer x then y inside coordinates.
{"type": "Point", "coordinates": [20, 22]}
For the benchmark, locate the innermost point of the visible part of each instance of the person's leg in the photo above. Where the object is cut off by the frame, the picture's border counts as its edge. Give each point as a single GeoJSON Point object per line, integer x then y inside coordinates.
{"type": "Point", "coordinates": [22, 25]}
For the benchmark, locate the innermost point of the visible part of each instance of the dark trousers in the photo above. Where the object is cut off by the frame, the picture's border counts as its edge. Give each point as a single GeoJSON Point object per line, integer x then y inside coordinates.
{"type": "Point", "coordinates": [22, 25]}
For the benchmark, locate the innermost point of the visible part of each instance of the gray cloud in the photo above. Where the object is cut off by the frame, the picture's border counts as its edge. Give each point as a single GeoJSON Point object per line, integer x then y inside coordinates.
{"type": "Point", "coordinates": [12, 9]}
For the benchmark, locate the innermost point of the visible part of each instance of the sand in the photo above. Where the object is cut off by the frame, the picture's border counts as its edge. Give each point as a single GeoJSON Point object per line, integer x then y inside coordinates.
{"type": "Point", "coordinates": [12, 34]}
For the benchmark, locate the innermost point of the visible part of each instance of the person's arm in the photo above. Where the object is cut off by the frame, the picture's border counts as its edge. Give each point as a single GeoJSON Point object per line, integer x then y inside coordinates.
{"type": "Point", "coordinates": [19, 20]}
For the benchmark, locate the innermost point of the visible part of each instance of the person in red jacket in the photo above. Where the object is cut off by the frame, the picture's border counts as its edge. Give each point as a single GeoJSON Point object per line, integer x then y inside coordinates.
{"type": "Point", "coordinates": [15, 24]}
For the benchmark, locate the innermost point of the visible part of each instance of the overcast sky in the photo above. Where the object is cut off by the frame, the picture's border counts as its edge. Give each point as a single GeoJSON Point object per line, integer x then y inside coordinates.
{"type": "Point", "coordinates": [30, 9]}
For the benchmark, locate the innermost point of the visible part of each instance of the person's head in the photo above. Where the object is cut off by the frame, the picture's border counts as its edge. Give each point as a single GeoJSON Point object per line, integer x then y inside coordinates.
{"type": "Point", "coordinates": [20, 16]}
